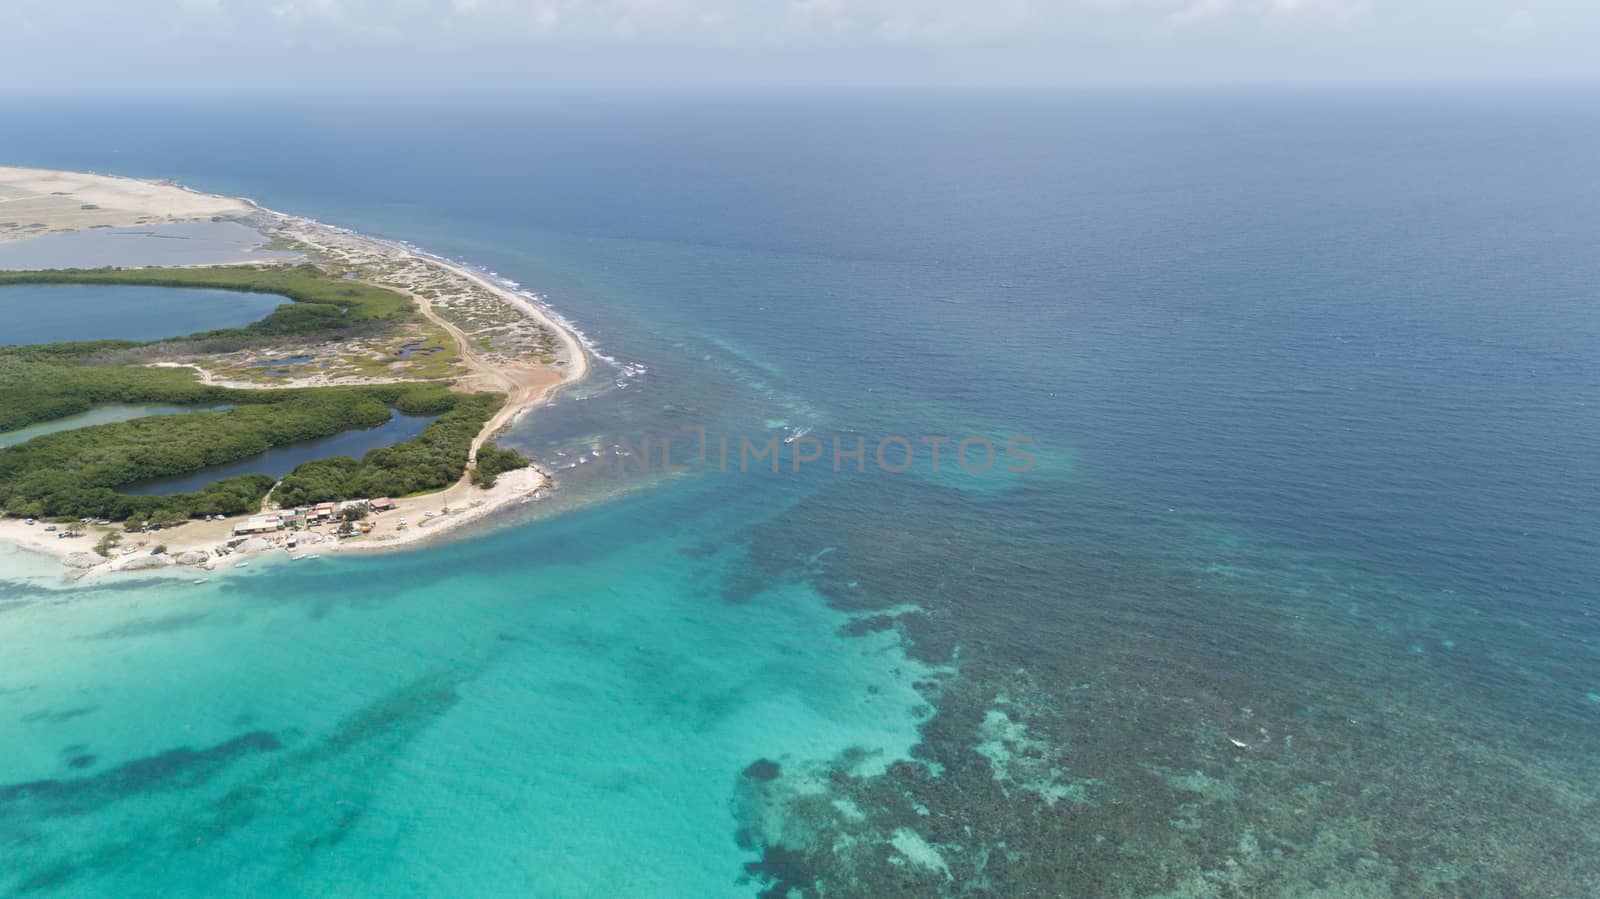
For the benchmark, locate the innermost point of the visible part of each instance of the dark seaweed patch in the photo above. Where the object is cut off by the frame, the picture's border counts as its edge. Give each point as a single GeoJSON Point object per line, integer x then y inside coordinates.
{"type": "Point", "coordinates": [868, 624]}
{"type": "Point", "coordinates": [52, 716]}
{"type": "Point", "coordinates": [783, 873]}
{"type": "Point", "coordinates": [174, 769]}
{"type": "Point", "coordinates": [762, 769]}
{"type": "Point", "coordinates": [1086, 749]}
{"type": "Point", "coordinates": [143, 627]}
{"type": "Point", "coordinates": [286, 788]}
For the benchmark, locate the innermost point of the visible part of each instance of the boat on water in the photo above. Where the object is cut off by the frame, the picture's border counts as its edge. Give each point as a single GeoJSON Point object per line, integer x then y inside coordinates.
{"type": "Point", "coordinates": [201, 580]}
{"type": "Point", "coordinates": [241, 565]}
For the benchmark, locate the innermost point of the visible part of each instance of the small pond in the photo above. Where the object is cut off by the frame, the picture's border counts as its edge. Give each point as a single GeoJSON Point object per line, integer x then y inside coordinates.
{"type": "Point", "coordinates": [416, 349]}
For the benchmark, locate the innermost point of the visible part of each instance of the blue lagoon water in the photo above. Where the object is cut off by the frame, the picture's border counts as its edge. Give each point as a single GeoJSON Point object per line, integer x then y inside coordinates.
{"type": "Point", "coordinates": [166, 243]}
{"type": "Point", "coordinates": [53, 313]}
{"type": "Point", "coordinates": [1298, 598]}
{"type": "Point", "coordinates": [280, 460]}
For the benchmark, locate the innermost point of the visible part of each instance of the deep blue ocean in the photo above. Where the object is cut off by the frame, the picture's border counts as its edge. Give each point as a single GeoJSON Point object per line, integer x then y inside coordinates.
{"type": "Point", "coordinates": [1299, 596]}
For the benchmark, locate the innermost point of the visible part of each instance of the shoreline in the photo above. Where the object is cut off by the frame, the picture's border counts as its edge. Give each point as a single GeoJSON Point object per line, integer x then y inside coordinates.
{"type": "Point", "coordinates": [527, 384]}
{"type": "Point", "coordinates": [529, 307]}
{"type": "Point", "coordinates": [466, 505]}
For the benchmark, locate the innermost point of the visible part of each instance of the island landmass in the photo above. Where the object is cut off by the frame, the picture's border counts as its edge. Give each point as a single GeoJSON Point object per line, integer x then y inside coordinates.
{"type": "Point", "coordinates": [369, 329]}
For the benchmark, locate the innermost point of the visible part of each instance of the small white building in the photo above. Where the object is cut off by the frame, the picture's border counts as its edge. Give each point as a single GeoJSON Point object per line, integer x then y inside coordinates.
{"type": "Point", "coordinates": [259, 524]}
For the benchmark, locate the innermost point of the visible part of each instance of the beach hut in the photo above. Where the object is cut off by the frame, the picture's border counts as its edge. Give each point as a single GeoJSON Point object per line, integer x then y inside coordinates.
{"type": "Point", "coordinates": [381, 504]}
{"type": "Point", "coordinates": [260, 524]}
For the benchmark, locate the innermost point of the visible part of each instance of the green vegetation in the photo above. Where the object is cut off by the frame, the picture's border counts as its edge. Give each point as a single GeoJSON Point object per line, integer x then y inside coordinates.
{"type": "Point", "coordinates": [285, 243]}
{"type": "Point", "coordinates": [51, 381]}
{"type": "Point", "coordinates": [323, 480]}
{"type": "Point", "coordinates": [44, 382]}
{"type": "Point", "coordinates": [493, 462]}
{"type": "Point", "coordinates": [80, 472]}
{"type": "Point", "coordinates": [433, 460]}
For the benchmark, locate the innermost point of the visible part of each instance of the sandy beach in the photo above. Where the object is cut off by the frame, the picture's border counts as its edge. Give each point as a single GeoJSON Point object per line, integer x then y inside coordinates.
{"type": "Point", "coordinates": [414, 520]}
{"type": "Point", "coordinates": [35, 202]}
{"type": "Point", "coordinates": [528, 367]}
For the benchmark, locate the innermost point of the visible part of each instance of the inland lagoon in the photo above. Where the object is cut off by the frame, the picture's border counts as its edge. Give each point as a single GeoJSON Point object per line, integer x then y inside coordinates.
{"type": "Point", "coordinates": [281, 460]}
{"type": "Point", "coordinates": [56, 313]}
{"type": "Point", "coordinates": [175, 243]}
{"type": "Point", "coordinates": [100, 415]}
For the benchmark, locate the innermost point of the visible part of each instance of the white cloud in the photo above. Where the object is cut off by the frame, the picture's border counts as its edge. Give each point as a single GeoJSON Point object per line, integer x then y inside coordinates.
{"type": "Point", "coordinates": [544, 15]}
{"type": "Point", "coordinates": [854, 23]}
{"type": "Point", "coordinates": [822, 9]}
{"type": "Point", "coordinates": [651, 41]}
{"type": "Point", "coordinates": [306, 10]}
{"type": "Point", "coordinates": [1201, 10]}
{"type": "Point", "coordinates": [1244, 12]}
{"type": "Point", "coordinates": [1332, 9]}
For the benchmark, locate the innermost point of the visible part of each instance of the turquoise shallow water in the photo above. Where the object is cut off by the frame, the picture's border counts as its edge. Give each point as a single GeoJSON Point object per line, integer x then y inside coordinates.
{"type": "Point", "coordinates": [1298, 599]}
{"type": "Point", "coordinates": [427, 725]}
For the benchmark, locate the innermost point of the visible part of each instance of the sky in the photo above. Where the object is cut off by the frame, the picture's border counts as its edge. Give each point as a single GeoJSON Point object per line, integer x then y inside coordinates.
{"type": "Point", "coordinates": [525, 44]}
